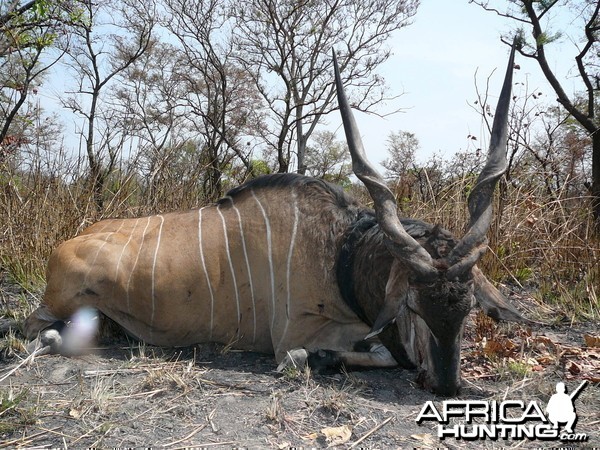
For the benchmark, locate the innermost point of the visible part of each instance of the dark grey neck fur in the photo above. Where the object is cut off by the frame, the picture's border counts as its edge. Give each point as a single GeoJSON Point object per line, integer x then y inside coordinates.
{"type": "Point", "coordinates": [363, 268]}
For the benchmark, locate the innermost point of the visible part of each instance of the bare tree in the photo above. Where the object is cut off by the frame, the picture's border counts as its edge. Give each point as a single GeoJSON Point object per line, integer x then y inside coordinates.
{"type": "Point", "coordinates": [535, 16]}
{"type": "Point", "coordinates": [20, 70]}
{"type": "Point", "coordinates": [27, 32]}
{"type": "Point", "coordinates": [221, 99]}
{"type": "Point", "coordinates": [148, 102]}
{"type": "Point", "coordinates": [328, 158]}
{"type": "Point", "coordinates": [555, 157]}
{"type": "Point", "coordinates": [286, 46]}
{"type": "Point", "coordinates": [108, 38]}
{"type": "Point", "coordinates": [31, 23]}
{"type": "Point", "coordinates": [401, 147]}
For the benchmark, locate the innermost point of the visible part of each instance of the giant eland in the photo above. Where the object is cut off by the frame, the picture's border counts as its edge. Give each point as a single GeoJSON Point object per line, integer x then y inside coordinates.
{"type": "Point", "coordinates": [294, 266]}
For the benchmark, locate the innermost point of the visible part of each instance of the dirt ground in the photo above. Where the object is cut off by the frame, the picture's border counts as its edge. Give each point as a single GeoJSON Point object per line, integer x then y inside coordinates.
{"type": "Point", "coordinates": [133, 395]}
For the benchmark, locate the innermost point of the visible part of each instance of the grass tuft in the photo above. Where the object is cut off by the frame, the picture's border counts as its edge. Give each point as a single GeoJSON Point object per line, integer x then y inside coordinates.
{"type": "Point", "coordinates": [13, 414]}
{"type": "Point", "coordinates": [544, 243]}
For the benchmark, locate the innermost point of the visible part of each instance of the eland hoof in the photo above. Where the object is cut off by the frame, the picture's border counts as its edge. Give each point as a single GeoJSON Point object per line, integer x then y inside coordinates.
{"type": "Point", "coordinates": [49, 341]}
{"type": "Point", "coordinates": [294, 359]}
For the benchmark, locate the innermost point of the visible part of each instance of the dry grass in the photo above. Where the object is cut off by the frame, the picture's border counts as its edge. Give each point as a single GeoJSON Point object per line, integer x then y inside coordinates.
{"type": "Point", "coordinates": [40, 208]}
{"type": "Point", "coordinates": [167, 399]}
{"type": "Point", "coordinates": [546, 245]}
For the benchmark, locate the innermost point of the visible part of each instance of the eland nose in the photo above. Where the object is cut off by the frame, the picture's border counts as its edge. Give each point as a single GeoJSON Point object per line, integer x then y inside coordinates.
{"type": "Point", "coordinates": [443, 388]}
{"type": "Point", "coordinates": [447, 390]}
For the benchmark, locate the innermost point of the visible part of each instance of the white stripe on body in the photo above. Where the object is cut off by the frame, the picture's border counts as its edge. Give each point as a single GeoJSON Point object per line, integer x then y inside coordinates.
{"type": "Point", "coordinates": [289, 266]}
{"type": "Point", "coordinates": [210, 289]}
{"type": "Point", "coordinates": [162, 221]}
{"type": "Point", "coordinates": [247, 266]}
{"type": "Point", "coordinates": [93, 263]}
{"type": "Point", "coordinates": [121, 255]}
{"type": "Point", "coordinates": [233, 277]}
{"type": "Point", "coordinates": [104, 226]}
{"type": "Point", "coordinates": [68, 270]}
{"type": "Point", "coordinates": [137, 257]}
{"type": "Point", "coordinates": [269, 256]}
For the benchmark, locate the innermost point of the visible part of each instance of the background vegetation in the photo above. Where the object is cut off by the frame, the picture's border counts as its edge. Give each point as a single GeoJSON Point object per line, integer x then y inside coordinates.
{"type": "Point", "coordinates": [174, 102]}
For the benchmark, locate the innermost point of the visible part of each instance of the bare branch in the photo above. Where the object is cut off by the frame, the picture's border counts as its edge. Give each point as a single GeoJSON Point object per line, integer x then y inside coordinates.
{"type": "Point", "coordinates": [5, 18]}
{"type": "Point", "coordinates": [591, 39]}
{"type": "Point", "coordinates": [287, 47]}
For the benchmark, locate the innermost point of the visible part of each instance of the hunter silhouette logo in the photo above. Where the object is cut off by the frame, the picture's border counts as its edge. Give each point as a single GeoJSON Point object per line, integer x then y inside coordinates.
{"type": "Point", "coordinates": [509, 419]}
{"type": "Point", "coordinates": [560, 407]}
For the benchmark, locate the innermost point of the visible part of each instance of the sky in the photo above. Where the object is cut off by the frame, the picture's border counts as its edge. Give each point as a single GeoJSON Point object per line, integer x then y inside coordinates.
{"type": "Point", "coordinates": [433, 65]}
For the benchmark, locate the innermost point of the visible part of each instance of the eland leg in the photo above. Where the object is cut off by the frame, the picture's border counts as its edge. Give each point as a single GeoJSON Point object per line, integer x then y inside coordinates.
{"type": "Point", "coordinates": [368, 355]}
{"type": "Point", "coordinates": [49, 334]}
{"type": "Point", "coordinates": [42, 329]}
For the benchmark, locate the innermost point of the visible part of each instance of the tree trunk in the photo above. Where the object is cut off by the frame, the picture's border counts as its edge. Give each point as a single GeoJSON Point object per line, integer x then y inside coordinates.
{"type": "Point", "coordinates": [99, 179]}
{"type": "Point", "coordinates": [301, 154]}
{"type": "Point", "coordinates": [300, 138]}
{"type": "Point", "coordinates": [96, 176]}
{"type": "Point", "coordinates": [282, 158]}
{"type": "Point", "coordinates": [595, 186]}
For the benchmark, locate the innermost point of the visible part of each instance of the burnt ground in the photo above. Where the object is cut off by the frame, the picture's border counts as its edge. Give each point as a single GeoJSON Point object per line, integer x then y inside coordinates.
{"type": "Point", "coordinates": [133, 395]}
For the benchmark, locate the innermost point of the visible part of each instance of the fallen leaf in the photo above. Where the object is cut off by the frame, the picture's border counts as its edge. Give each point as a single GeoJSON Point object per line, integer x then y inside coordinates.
{"type": "Point", "coordinates": [426, 438]}
{"type": "Point", "coordinates": [544, 340]}
{"type": "Point", "coordinates": [532, 219]}
{"type": "Point", "coordinates": [546, 359]}
{"type": "Point", "coordinates": [591, 341]}
{"type": "Point", "coordinates": [567, 350]}
{"type": "Point", "coordinates": [501, 347]}
{"type": "Point", "coordinates": [593, 353]}
{"type": "Point", "coordinates": [337, 435]}
{"type": "Point", "coordinates": [573, 368]}
{"type": "Point", "coordinates": [310, 436]}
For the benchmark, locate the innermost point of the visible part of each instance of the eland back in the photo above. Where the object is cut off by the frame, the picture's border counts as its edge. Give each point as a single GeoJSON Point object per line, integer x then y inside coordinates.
{"type": "Point", "coordinates": [290, 265]}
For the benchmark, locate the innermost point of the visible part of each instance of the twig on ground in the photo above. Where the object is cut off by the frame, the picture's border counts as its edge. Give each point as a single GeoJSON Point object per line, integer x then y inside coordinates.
{"type": "Point", "coordinates": [26, 439]}
{"type": "Point", "coordinates": [472, 384]}
{"type": "Point", "coordinates": [195, 431]}
{"type": "Point", "coordinates": [483, 375]}
{"type": "Point", "coordinates": [209, 419]}
{"type": "Point", "coordinates": [523, 384]}
{"type": "Point", "coordinates": [106, 372]}
{"type": "Point", "coordinates": [57, 433]}
{"type": "Point", "coordinates": [89, 433]}
{"type": "Point", "coordinates": [22, 363]}
{"type": "Point", "coordinates": [369, 433]}
{"type": "Point", "coordinates": [141, 394]}
{"type": "Point", "coordinates": [204, 444]}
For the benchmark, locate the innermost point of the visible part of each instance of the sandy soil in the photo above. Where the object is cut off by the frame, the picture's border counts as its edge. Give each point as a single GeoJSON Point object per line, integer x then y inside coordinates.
{"type": "Point", "coordinates": [133, 395]}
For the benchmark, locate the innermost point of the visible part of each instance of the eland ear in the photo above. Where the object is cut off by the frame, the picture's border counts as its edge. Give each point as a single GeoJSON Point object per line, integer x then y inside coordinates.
{"type": "Point", "coordinates": [387, 316]}
{"type": "Point", "coordinates": [493, 303]}
{"type": "Point", "coordinates": [396, 291]}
